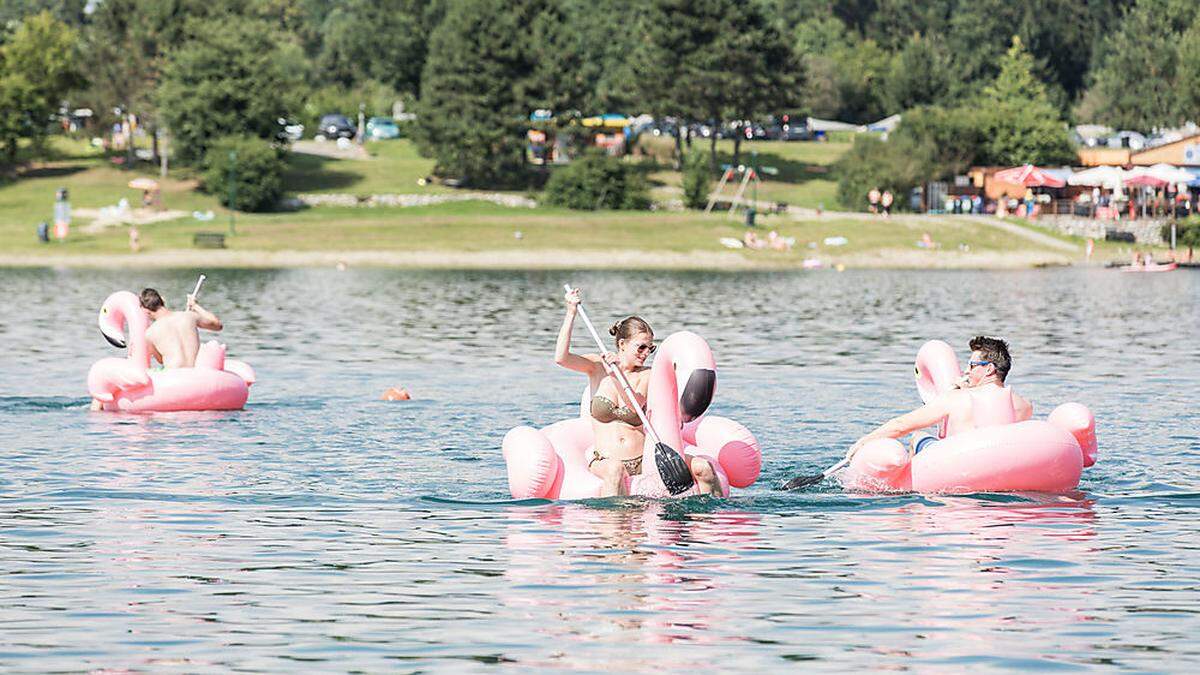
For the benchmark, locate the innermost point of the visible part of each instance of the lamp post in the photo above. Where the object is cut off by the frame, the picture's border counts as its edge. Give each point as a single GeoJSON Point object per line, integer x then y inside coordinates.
{"type": "Point", "coordinates": [232, 191]}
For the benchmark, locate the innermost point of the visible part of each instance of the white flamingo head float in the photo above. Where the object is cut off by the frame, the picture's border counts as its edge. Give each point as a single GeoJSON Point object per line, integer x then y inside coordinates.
{"type": "Point", "coordinates": [119, 309]}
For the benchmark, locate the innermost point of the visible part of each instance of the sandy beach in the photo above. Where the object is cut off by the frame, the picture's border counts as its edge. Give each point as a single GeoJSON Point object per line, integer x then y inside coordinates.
{"type": "Point", "coordinates": [537, 259]}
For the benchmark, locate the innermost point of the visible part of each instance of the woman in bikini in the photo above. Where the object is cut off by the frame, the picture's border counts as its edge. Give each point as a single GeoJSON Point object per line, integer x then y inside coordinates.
{"type": "Point", "coordinates": [618, 432]}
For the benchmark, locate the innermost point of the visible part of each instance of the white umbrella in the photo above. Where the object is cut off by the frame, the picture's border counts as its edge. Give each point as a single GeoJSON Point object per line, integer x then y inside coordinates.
{"type": "Point", "coordinates": [1109, 177]}
{"type": "Point", "coordinates": [1170, 173]}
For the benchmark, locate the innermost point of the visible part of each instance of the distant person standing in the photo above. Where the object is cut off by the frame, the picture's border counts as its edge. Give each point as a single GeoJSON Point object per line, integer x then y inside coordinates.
{"type": "Point", "coordinates": [873, 200]}
{"type": "Point", "coordinates": [885, 201]}
{"type": "Point", "coordinates": [62, 214]}
{"type": "Point", "coordinates": [1028, 202]}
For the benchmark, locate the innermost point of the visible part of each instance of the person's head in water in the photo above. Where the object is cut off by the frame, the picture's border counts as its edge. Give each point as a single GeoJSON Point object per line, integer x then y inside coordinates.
{"type": "Point", "coordinates": [152, 301]}
{"type": "Point", "coordinates": [634, 340]}
{"type": "Point", "coordinates": [989, 357]}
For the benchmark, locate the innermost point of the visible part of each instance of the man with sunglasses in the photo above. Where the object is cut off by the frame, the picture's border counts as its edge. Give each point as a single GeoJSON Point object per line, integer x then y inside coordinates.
{"type": "Point", "coordinates": [986, 371]}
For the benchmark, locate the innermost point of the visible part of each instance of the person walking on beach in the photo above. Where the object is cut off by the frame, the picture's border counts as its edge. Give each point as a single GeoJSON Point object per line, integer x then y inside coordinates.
{"type": "Point", "coordinates": [986, 372]}
{"type": "Point", "coordinates": [873, 200]}
{"type": "Point", "coordinates": [886, 202]}
{"type": "Point", "coordinates": [174, 337]}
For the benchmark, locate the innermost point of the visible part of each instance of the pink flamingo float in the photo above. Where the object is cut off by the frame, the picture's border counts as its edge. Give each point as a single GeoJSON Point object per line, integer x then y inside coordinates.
{"type": "Point", "coordinates": [999, 455]}
{"type": "Point", "coordinates": [128, 384]}
{"type": "Point", "coordinates": [551, 462]}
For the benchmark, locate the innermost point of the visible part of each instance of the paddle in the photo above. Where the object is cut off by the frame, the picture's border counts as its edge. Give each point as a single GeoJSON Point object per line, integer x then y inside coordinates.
{"type": "Point", "coordinates": [671, 468]}
{"type": "Point", "coordinates": [199, 283]}
{"type": "Point", "coordinates": [813, 479]}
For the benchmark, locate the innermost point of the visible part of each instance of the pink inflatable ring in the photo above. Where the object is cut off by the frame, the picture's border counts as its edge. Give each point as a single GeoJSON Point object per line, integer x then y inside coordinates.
{"type": "Point", "coordinates": [128, 384]}
{"type": "Point", "coordinates": [1000, 455]}
{"type": "Point", "coordinates": [551, 462]}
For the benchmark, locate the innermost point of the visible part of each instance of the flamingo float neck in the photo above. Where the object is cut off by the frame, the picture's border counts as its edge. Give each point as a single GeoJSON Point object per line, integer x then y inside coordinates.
{"type": "Point", "coordinates": [125, 309]}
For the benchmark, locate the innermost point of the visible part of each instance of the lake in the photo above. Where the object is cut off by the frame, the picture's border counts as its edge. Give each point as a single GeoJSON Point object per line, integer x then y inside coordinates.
{"type": "Point", "coordinates": [324, 529]}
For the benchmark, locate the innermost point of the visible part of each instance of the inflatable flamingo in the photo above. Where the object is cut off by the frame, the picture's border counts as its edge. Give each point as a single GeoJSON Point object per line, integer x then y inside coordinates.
{"type": "Point", "coordinates": [998, 455]}
{"type": "Point", "coordinates": [128, 384]}
{"type": "Point", "coordinates": [551, 463]}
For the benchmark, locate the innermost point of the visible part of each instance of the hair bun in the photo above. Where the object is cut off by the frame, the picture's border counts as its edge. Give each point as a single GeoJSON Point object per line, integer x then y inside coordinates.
{"type": "Point", "coordinates": [615, 328]}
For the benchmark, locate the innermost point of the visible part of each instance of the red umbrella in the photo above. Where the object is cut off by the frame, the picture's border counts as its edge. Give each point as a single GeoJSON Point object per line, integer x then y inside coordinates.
{"type": "Point", "coordinates": [1029, 176]}
{"type": "Point", "coordinates": [1144, 180]}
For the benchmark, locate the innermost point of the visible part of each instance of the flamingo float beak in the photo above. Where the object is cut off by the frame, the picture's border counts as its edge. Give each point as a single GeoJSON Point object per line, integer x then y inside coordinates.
{"type": "Point", "coordinates": [697, 393]}
{"type": "Point", "coordinates": [110, 328]}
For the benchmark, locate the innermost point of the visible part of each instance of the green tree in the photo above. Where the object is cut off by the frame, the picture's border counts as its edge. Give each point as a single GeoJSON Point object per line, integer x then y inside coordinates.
{"type": "Point", "coordinates": [39, 65]}
{"type": "Point", "coordinates": [254, 165]}
{"type": "Point", "coordinates": [477, 90]}
{"type": "Point", "coordinates": [70, 12]}
{"type": "Point", "coordinates": [697, 180]}
{"type": "Point", "coordinates": [1140, 82]}
{"type": "Point", "coordinates": [583, 55]}
{"type": "Point", "coordinates": [921, 74]}
{"type": "Point", "coordinates": [1019, 122]}
{"type": "Point", "coordinates": [845, 72]}
{"type": "Point", "coordinates": [715, 60]}
{"type": "Point", "coordinates": [382, 40]}
{"type": "Point", "coordinates": [233, 76]}
{"type": "Point", "coordinates": [1187, 104]}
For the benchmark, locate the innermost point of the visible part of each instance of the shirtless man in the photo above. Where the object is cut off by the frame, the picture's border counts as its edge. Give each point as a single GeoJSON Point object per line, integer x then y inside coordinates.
{"type": "Point", "coordinates": [988, 367]}
{"type": "Point", "coordinates": [173, 337]}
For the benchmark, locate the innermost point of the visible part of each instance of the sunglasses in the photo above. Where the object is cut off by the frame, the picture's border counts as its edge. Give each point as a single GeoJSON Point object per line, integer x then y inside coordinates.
{"type": "Point", "coordinates": [972, 364]}
{"type": "Point", "coordinates": [642, 349]}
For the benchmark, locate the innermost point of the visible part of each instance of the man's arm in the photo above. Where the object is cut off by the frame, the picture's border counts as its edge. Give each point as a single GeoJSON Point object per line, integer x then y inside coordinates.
{"type": "Point", "coordinates": [927, 415]}
{"type": "Point", "coordinates": [155, 355]}
{"type": "Point", "coordinates": [1022, 408]}
{"type": "Point", "coordinates": [204, 318]}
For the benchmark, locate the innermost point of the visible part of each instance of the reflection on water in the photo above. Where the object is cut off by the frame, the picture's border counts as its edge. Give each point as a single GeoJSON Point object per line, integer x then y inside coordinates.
{"type": "Point", "coordinates": [324, 529]}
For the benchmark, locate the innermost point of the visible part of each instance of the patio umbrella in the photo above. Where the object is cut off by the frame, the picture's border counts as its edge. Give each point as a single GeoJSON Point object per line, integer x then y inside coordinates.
{"type": "Point", "coordinates": [143, 183]}
{"type": "Point", "coordinates": [1109, 177]}
{"type": "Point", "coordinates": [1171, 173]}
{"type": "Point", "coordinates": [1029, 176]}
{"type": "Point", "coordinates": [1143, 178]}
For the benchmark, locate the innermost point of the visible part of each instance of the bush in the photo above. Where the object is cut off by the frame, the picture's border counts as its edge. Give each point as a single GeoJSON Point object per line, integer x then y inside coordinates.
{"type": "Point", "coordinates": [596, 181]}
{"type": "Point", "coordinates": [258, 168]}
{"type": "Point", "coordinates": [1187, 232]}
{"type": "Point", "coordinates": [697, 179]}
{"type": "Point", "coordinates": [873, 163]}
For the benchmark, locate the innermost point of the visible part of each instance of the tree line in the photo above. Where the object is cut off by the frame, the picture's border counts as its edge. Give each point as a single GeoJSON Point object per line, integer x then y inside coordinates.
{"type": "Point", "coordinates": [968, 71]}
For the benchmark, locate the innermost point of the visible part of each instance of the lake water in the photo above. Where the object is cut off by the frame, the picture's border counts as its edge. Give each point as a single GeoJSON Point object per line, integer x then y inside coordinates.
{"type": "Point", "coordinates": [324, 529]}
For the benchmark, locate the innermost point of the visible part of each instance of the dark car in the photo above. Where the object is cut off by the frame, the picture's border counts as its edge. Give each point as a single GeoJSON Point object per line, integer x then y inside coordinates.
{"type": "Point", "coordinates": [335, 127]}
{"type": "Point", "coordinates": [796, 132]}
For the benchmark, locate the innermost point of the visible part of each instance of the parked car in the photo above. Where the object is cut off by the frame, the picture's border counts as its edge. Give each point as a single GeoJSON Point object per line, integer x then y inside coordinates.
{"type": "Point", "coordinates": [335, 127]}
{"type": "Point", "coordinates": [796, 132]}
{"type": "Point", "coordinates": [382, 128]}
{"type": "Point", "coordinates": [289, 130]}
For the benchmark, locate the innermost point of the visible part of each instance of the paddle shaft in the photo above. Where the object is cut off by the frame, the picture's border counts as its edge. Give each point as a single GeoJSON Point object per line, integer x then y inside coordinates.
{"type": "Point", "coordinates": [199, 283]}
{"type": "Point", "coordinates": [804, 481]}
{"type": "Point", "coordinates": [616, 372]}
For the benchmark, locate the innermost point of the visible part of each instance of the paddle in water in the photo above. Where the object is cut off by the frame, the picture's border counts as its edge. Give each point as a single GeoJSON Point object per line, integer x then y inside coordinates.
{"type": "Point", "coordinates": [812, 479]}
{"type": "Point", "coordinates": [675, 474]}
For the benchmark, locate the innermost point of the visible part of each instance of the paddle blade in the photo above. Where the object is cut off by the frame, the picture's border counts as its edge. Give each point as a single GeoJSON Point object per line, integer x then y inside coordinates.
{"type": "Point", "coordinates": [803, 481]}
{"type": "Point", "coordinates": [675, 474]}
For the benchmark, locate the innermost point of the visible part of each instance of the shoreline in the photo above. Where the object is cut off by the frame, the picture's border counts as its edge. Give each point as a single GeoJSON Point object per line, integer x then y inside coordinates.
{"type": "Point", "coordinates": [544, 259]}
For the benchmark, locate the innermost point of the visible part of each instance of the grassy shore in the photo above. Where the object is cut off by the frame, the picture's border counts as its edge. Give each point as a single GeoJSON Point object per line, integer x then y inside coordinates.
{"type": "Point", "coordinates": [481, 234]}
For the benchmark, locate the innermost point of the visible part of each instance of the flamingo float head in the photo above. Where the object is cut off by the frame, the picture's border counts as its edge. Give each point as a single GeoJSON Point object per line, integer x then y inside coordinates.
{"type": "Point", "coordinates": [695, 373]}
{"type": "Point", "coordinates": [119, 309]}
